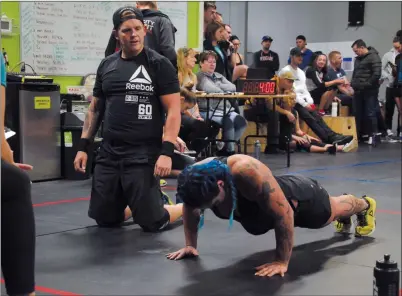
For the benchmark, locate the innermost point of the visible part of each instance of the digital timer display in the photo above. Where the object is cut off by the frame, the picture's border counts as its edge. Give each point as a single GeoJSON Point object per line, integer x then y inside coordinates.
{"type": "Point", "coordinates": [258, 87]}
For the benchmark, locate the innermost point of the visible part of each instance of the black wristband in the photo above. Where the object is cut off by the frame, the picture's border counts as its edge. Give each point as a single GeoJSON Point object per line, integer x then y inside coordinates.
{"type": "Point", "coordinates": [83, 145]}
{"type": "Point", "coordinates": [167, 149]}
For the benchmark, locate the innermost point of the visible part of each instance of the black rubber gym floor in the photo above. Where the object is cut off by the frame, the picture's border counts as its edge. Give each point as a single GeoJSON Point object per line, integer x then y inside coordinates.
{"type": "Point", "coordinates": [74, 257]}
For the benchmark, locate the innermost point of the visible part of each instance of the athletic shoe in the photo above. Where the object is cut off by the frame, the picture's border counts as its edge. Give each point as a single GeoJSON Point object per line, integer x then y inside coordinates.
{"type": "Point", "coordinates": [166, 199]}
{"type": "Point", "coordinates": [341, 139]}
{"type": "Point", "coordinates": [366, 221]}
{"type": "Point", "coordinates": [350, 146]}
{"type": "Point", "coordinates": [390, 139]}
{"type": "Point", "coordinates": [163, 183]}
{"type": "Point", "coordinates": [343, 225]}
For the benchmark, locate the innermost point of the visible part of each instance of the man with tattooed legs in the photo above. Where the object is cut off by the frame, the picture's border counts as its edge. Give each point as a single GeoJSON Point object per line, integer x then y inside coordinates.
{"type": "Point", "coordinates": [243, 189]}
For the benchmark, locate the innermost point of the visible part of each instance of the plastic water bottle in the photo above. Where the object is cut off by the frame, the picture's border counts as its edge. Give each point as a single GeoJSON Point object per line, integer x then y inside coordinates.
{"type": "Point", "coordinates": [334, 111]}
{"type": "Point", "coordinates": [386, 277]}
{"type": "Point", "coordinates": [257, 149]}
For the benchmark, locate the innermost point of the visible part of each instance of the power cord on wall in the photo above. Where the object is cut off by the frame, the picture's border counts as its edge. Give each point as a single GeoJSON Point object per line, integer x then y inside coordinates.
{"type": "Point", "coordinates": [23, 67]}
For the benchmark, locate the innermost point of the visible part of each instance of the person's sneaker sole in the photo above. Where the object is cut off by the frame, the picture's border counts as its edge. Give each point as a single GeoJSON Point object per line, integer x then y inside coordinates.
{"type": "Point", "coordinates": [350, 146]}
{"type": "Point", "coordinates": [375, 221]}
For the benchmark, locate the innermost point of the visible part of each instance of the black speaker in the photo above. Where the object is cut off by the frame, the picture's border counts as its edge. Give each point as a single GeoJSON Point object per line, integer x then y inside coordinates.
{"type": "Point", "coordinates": [356, 14]}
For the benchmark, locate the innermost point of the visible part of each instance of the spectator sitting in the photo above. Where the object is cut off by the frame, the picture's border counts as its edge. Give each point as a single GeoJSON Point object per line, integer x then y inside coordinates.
{"type": "Point", "coordinates": [261, 111]}
{"type": "Point", "coordinates": [236, 59]}
{"type": "Point", "coordinates": [306, 53]}
{"type": "Point", "coordinates": [303, 142]}
{"type": "Point", "coordinates": [193, 128]}
{"type": "Point", "coordinates": [266, 58]}
{"type": "Point", "coordinates": [210, 81]}
{"type": "Point", "coordinates": [215, 41]}
{"type": "Point", "coordinates": [305, 104]}
{"type": "Point", "coordinates": [321, 89]}
{"type": "Point", "coordinates": [335, 71]}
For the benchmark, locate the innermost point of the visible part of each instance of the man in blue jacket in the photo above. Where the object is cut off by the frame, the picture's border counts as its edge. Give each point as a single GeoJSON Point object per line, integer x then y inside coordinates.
{"type": "Point", "coordinates": [301, 43]}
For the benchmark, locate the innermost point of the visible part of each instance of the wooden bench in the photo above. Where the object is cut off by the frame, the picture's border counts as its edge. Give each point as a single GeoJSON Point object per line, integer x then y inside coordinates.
{"type": "Point", "coordinates": [345, 125]}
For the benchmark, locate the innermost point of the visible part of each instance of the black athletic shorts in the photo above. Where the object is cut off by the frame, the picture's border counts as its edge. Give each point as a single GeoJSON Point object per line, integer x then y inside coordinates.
{"type": "Point", "coordinates": [118, 183]}
{"type": "Point", "coordinates": [316, 94]}
{"type": "Point", "coordinates": [313, 210]}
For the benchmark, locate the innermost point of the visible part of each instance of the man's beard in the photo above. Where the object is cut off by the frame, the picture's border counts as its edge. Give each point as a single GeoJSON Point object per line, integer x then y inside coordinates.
{"type": "Point", "coordinates": [266, 48]}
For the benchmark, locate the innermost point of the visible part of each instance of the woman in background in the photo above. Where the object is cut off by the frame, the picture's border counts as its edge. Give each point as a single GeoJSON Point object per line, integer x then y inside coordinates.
{"type": "Point", "coordinates": [209, 81]}
{"type": "Point", "coordinates": [17, 216]}
{"type": "Point", "coordinates": [215, 41]}
{"type": "Point", "coordinates": [321, 89]}
{"type": "Point", "coordinates": [193, 128]}
{"type": "Point", "coordinates": [237, 59]}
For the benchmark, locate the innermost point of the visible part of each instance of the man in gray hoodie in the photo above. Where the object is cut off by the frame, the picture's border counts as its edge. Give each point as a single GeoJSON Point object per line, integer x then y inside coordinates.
{"type": "Point", "coordinates": [388, 62]}
{"type": "Point", "coordinates": [366, 83]}
{"type": "Point", "coordinates": [160, 32]}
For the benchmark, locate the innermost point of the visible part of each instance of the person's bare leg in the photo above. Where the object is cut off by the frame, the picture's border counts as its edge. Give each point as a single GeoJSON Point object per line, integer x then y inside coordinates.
{"type": "Point", "coordinates": [318, 149]}
{"type": "Point", "coordinates": [239, 72]}
{"type": "Point", "coordinates": [326, 99]}
{"type": "Point", "coordinates": [346, 206]}
{"type": "Point", "coordinates": [175, 212]}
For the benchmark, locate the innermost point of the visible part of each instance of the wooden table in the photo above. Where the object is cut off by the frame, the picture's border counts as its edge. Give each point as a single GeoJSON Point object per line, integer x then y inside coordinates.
{"type": "Point", "coordinates": [242, 96]}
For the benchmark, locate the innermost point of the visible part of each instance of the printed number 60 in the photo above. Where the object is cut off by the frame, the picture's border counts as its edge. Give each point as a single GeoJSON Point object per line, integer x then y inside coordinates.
{"type": "Point", "coordinates": [144, 109]}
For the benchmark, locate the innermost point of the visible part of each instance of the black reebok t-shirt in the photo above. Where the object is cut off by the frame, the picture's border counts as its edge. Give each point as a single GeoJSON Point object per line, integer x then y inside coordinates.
{"type": "Point", "coordinates": [134, 114]}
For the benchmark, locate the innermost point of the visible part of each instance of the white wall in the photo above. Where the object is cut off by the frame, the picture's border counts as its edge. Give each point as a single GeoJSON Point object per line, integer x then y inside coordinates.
{"type": "Point", "coordinates": [318, 21]}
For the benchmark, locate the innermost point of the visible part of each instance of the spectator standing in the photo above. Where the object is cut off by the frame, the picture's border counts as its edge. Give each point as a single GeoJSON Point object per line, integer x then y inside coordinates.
{"type": "Point", "coordinates": [214, 41]}
{"type": "Point", "coordinates": [209, 13]}
{"type": "Point", "coordinates": [365, 82]}
{"type": "Point", "coordinates": [266, 58]}
{"type": "Point", "coordinates": [160, 32]}
{"type": "Point", "coordinates": [301, 42]}
{"type": "Point", "coordinates": [388, 63]}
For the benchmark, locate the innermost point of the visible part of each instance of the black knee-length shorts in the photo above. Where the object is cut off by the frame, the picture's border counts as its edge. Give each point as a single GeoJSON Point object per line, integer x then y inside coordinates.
{"type": "Point", "coordinates": [118, 183]}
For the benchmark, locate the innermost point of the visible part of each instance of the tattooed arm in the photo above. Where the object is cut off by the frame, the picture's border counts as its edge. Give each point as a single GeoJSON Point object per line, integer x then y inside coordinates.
{"type": "Point", "coordinates": [93, 118]}
{"type": "Point", "coordinates": [256, 182]}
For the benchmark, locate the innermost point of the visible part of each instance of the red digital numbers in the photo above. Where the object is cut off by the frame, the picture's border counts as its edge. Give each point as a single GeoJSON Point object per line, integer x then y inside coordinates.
{"type": "Point", "coordinates": [259, 87]}
{"type": "Point", "coordinates": [267, 87]}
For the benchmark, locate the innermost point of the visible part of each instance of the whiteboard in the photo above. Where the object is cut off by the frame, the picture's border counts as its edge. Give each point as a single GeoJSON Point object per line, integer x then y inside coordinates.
{"type": "Point", "coordinates": [345, 48]}
{"type": "Point", "coordinates": [70, 38]}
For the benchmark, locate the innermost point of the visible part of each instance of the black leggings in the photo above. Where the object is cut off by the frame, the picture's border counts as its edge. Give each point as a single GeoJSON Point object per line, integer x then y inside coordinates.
{"type": "Point", "coordinates": [17, 231]}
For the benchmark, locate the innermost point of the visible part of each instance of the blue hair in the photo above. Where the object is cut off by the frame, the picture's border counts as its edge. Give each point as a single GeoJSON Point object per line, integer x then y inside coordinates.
{"type": "Point", "coordinates": [197, 185]}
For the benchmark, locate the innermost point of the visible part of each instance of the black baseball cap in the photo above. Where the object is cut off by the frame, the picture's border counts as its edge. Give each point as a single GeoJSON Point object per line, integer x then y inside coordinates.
{"type": "Point", "coordinates": [267, 38]}
{"type": "Point", "coordinates": [295, 51]}
{"type": "Point", "coordinates": [118, 19]}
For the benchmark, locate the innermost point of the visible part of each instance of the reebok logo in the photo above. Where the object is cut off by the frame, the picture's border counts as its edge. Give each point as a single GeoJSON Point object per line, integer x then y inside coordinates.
{"type": "Point", "coordinates": [140, 80]}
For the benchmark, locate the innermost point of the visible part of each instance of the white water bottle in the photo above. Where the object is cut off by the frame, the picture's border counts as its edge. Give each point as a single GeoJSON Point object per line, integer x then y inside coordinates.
{"type": "Point", "coordinates": [334, 112]}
